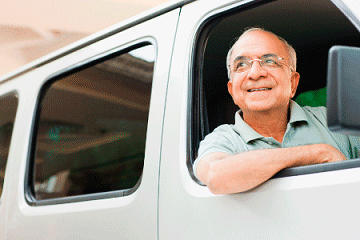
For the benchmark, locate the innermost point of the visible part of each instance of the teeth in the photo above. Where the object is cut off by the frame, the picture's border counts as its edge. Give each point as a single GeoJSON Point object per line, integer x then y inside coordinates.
{"type": "Point", "coordinates": [259, 89]}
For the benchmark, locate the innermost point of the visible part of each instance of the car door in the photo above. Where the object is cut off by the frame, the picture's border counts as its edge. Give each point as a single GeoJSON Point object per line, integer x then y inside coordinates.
{"type": "Point", "coordinates": [85, 159]}
{"type": "Point", "coordinates": [312, 202]}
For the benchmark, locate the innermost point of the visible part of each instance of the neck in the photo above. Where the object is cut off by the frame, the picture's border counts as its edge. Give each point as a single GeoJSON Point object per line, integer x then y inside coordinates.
{"type": "Point", "coordinates": [268, 124]}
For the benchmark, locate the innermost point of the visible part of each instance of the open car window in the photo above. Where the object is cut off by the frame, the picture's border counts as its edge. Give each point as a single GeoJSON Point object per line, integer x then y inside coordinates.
{"type": "Point", "coordinates": [311, 27]}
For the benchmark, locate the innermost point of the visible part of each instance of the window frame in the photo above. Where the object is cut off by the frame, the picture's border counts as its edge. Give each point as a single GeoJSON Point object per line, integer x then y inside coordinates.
{"type": "Point", "coordinates": [90, 62]}
{"type": "Point", "coordinates": [195, 116]}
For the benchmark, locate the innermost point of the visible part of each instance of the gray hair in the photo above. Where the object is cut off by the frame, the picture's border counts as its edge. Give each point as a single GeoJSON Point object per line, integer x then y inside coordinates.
{"type": "Point", "coordinates": [289, 48]}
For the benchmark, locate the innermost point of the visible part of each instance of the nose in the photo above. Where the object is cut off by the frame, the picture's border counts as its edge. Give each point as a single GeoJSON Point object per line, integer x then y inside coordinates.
{"type": "Point", "coordinates": [256, 71]}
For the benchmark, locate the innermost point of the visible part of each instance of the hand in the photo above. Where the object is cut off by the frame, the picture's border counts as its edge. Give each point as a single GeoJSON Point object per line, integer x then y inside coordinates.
{"type": "Point", "coordinates": [328, 153]}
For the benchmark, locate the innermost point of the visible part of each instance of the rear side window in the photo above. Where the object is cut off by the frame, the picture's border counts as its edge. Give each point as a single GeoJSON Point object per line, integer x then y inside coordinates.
{"type": "Point", "coordinates": [8, 106]}
{"type": "Point", "coordinates": [91, 128]}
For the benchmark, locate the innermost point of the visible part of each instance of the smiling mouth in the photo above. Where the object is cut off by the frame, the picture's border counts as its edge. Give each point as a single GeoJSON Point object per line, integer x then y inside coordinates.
{"type": "Point", "coordinates": [258, 89]}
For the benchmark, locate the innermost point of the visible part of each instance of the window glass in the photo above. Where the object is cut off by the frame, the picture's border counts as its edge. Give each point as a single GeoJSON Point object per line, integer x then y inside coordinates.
{"type": "Point", "coordinates": [92, 128]}
{"type": "Point", "coordinates": [8, 106]}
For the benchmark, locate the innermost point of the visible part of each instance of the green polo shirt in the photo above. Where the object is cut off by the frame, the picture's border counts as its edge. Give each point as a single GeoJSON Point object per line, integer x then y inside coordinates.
{"type": "Point", "coordinates": [307, 125]}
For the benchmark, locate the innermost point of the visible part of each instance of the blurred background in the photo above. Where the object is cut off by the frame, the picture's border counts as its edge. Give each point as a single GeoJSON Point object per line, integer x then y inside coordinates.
{"type": "Point", "coordinates": [30, 29]}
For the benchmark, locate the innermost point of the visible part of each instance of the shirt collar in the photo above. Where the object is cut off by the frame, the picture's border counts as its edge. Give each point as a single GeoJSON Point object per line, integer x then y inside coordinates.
{"type": "Point", "coordinates": [244, 130]}
{"type": "Point", "coordinates": [297, 114]}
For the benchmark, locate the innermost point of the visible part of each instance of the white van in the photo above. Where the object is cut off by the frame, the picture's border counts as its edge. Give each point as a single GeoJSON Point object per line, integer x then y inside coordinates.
{"type": "Point", "coordinates": [97, 140]}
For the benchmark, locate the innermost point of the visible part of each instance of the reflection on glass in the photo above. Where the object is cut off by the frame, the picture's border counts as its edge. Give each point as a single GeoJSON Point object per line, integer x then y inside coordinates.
{"type": "Point", "coordinates": [92, 129]}
{"type": "Point", "coordinates": [8, 106]}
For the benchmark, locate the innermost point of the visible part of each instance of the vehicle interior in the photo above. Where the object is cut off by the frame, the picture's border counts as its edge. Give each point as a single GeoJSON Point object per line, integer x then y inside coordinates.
{"type": "Point", "coordinates": [311, 27]}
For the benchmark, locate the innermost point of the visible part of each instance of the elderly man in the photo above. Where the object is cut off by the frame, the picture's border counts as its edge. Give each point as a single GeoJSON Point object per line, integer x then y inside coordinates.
{"type": "Point", "coordinates": [271, 132]}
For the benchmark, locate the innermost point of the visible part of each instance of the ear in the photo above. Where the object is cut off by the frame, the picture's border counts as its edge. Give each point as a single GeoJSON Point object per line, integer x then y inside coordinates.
{"type": "Point", "coordinates": [295, 77]}
{"type": "Point", "coordinates": [229, 85]}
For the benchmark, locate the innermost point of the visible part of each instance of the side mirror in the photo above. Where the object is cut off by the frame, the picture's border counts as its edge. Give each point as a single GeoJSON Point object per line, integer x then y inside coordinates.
{"type": "Point", "coordinates": [343, 90]}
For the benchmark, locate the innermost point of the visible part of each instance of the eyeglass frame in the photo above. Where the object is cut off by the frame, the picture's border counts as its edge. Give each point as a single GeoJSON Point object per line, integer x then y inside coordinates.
{"type": "Point", "coordinates": [259, 59]}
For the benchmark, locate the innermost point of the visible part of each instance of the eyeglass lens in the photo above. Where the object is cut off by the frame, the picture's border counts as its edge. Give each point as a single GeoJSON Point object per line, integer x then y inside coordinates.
{"type": "Point", "coordinates": [267, 62]}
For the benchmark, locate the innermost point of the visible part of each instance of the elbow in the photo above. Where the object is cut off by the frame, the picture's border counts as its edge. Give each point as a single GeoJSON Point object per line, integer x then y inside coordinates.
{"type": "Point", "coordinates": [221, 182]}
{"type": "Point", "coordinates": [212, 180]}
{"type": "Point", "coordinates": [220, 188]}
{"type": "Point", "coordinates": [214, 186]}
{"type": "Point", "coordinates": [216, 189]}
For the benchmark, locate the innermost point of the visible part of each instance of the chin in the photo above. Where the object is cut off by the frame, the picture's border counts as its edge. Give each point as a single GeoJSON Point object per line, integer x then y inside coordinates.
{"type": "Point", "coordinates": [258, 106]}
{"type": "Point", "coordinates": [263, 106]}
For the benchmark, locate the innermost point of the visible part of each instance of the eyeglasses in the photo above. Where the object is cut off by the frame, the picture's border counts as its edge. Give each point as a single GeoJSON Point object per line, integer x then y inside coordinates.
{"type": "Point", "coordinates": [267, 62]}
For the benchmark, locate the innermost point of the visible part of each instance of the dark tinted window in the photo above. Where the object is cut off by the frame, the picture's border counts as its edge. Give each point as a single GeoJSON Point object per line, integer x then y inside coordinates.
{"type": "Point", "coordinates": [91, 129]}
{"type": "Point", "coordinates": [8, 106]}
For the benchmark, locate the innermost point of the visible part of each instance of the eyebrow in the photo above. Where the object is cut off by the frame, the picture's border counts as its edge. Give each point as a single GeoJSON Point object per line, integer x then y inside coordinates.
{"type": "Point", "coordinates": [245, 57]}
{"type": "Point", "coordinates": [238, 58]}
{"type": "Point", "coordinates": [270, 55]}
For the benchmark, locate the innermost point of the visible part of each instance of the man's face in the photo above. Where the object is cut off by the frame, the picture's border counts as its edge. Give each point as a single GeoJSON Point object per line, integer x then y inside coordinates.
{"type": "Point", "coordinates": [257, 89]}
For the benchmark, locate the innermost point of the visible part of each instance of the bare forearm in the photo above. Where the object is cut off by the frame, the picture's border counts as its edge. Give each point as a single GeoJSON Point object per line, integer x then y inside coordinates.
{"type": "Point", "coordinates": [241, 172]}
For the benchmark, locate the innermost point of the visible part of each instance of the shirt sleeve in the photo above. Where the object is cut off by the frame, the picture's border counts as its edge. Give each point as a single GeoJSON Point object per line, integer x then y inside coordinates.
{"type": "Point", "coordinates": [220, 140]}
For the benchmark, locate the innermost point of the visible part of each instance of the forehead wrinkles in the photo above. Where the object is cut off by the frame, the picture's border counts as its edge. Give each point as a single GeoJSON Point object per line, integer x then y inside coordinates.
{"type": "Point", "coordinates": [256, 44]}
